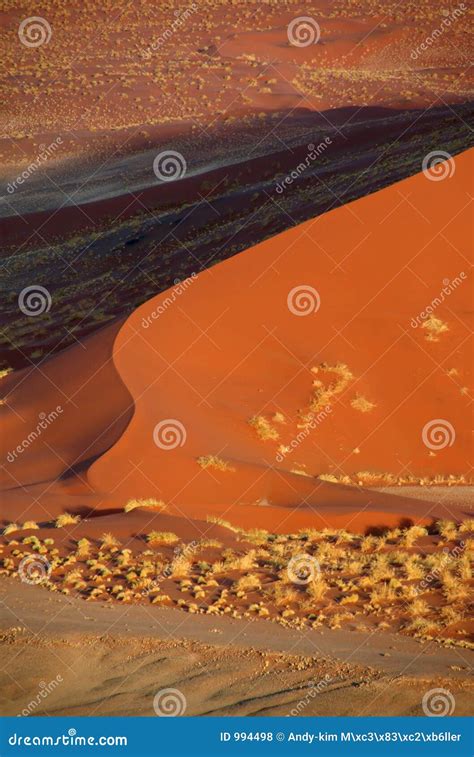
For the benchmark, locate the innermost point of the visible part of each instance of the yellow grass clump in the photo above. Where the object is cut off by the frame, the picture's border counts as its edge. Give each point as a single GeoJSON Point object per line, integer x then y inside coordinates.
{"type": "Point", "coordinates": [221, 522]}
{"type": "Point", "coordinates": [161, 537]}
{"type": "Point", "coordinates": [323, 394]}
{"type": "Point", "coordinates": [29, 524]}
{"type": "Point", "coordinates": [250, 582]}
{"type": "Point", "coordinates": [447, 529]}
{"type": "Point", "coordinates": [11, 528]}
{"type": "Point", "coordinates": [317, 588]}
{"type": "Point", "coordinates": [434, 328]}
{"type": "Point", "coordinates": [67, 519]}
{"type": "Point", "coordinates": [412, 534]}
{"type": "Point", "coordinates": [467, 526]}
{"type": "Point", "coordinates": [332, 479]}
{"type": "Point", "coordinates": [362, 404]}
{"type": "Point", "coordinates": [212, 461]}
{"type": "Point", "coordinates": [156, 504]}
{"type": "Point", "coordinates": [83, 547]}
{"type": "Point", "coordinates": [109, 540]}
{"type": "Point", "coordinates": [264, 428]}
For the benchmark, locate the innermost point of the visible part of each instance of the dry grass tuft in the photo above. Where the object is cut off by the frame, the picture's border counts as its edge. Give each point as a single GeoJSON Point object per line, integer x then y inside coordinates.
{"type": "Point", "coordinates": [435, 327]}
{"type": "Point", "coordinates": [29, 525]}
{"type": "Point", "coordinates": [83, 548]}
{"type": "Point", "coordinates": [362, 404]}
{"type": "Point", "coordinates": [467, 526]}
{"type": "Point", "coordinates": [156, 504]}
{"type": "Point", "coordinates": [247, 583]}
{"type": "Point", "coordinates": [212, 461]}
{"type": "Point", "coordinates": [67, 519]}
{"type": "Point", "coordinates": [161, 537]}
{"type": "Point", "coordinates": [264, 428]}
{"type": "Point", "coordinates": [221, 522]}
{"type": "Point", "coordinates": [11, 528]}
{"type": "Point", "coordinates": [332, 479]}
{"type": "Point", "coordinates": [109, 540]}
{"type": "Point", "coordinates": [324, 394]}
{"type": "Point", "coordinates": [317, 588]}
{"type": "Point", "coordinates": [412, 534]}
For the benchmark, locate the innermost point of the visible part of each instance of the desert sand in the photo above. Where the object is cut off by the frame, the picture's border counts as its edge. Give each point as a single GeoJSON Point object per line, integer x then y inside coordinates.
{"type": "Point", "coordinates": [244, 476]}
{"type": "Point", "coordinates": [240, 100]}
{"type": "Point", "coordinates": [269, 408]}
{"type": "Point", "coordinates": [342, 392]}
{"type": "Point", "coordinates": [195, 66]}
{"type": "Point", "coordinates": [225, 667]}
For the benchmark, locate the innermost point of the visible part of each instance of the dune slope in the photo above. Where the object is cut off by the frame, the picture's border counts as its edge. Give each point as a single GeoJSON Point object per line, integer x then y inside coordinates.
{"type": "Point", "coordinates": [304, 356]}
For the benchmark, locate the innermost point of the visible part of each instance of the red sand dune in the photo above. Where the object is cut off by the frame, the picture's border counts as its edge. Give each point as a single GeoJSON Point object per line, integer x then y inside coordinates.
{"type": "Point", "coordinates": [229, 348]}
{"type": "Point", "coordinates": [129, 75]}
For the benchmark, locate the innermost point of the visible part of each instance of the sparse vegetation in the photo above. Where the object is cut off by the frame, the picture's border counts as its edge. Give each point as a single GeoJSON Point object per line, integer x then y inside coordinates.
{"type": "Point", "coordinates": [109, 541]}
{"type": "Point", "coordinates": [324, 392]}
{"type": "Point", "coordinates": [11, 528]}
{"type": "Point", "coordinates": [434, 328]}
{"type": "Point", "coordinates": [212, 461]}
{"type": "Point", "coordinates": [67, 519]}
{"type": "Point", "coordinates": [133, 504]}
{"type": "Point", "coordinates": [83, 547]}
{"type": "Point", "coordinates": [221, 522]}
{"type": "Point", "coordinates": [362, 404]}
{"type": "Point", "coordinates": [410, 579]}
{"type": "Point", "coordinates": [29, 524]}
{"type": "Point", "coordinates": [161, 537]}
{"type": "Point", "coordinates": [377, 478]}
{"type": "Point", "coordinates": [264, 428]}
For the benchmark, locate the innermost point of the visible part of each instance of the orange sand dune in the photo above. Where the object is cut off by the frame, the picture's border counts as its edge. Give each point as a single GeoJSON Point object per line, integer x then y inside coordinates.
{"type": "Point", "coordinates": [58, 417]}
{"type": "Point", "coordinates": [233, 344]}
